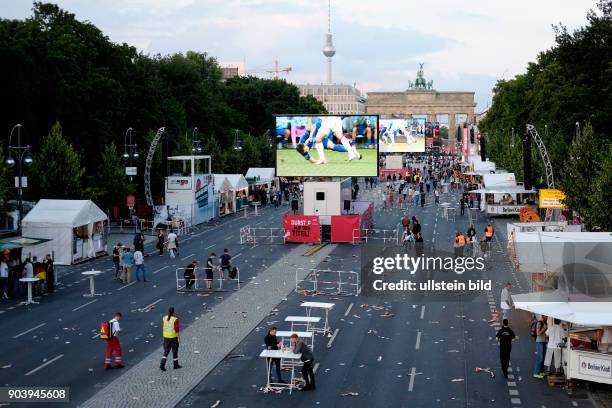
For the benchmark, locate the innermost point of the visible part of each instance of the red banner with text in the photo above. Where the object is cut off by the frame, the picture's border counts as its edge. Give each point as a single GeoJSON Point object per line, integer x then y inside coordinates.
{"type": "Point", "coordinates": [302, 228]}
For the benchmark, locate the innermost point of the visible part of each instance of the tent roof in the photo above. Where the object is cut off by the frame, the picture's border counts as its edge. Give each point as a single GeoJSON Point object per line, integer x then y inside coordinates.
{"type": "Point", "coordinates": [563, 236]}
{"type": "Point", "coordinates": [64, 213]}
{"type": "Point", "coordinates": [583, 313]}
{"type": "Point", "coordinates": [234, 182]}
{"type": "Point", "coordinates": [503, 190]}
{"type": "Point", "coordinates": [264, 173]}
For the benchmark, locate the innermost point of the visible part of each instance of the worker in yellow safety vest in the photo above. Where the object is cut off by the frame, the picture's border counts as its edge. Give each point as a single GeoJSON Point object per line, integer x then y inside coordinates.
{"type": "Point", "coordinates": [488, 232]}
{"type": "Point", "coordinates": [170, 330]}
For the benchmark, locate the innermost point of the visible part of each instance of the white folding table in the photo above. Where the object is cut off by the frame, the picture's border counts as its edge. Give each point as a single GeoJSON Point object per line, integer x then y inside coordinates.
{"type": "Point", "coordinates": [307, 321]}
{"type": "Point", "coordinates": [29, 281]}
{"type": "Point", "coordinates": [283, 355]}
{"type": "Point", "coordinates": [319, 305]}
{"type": "Point", "coordinates": [91, 275]}
{"type": "Point", "coordinates": [307, 335]}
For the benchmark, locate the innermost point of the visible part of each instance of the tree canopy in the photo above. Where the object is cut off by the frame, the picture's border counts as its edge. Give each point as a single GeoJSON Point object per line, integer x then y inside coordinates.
{"type": "Point", "coordinates": [57, 68]}
{"type": "Point", "coordinates": [567, 91]}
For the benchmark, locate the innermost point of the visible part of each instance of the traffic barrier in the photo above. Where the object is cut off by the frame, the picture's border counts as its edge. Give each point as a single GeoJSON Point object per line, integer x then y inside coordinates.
{"type": "Point", "coordinates": [375, 235]}
{"type": "Point", "coordinates": [328, 282]}
{"type": "Point", "coordinates": [261, 235]}
{"type": "Point", "coordinates": [245, 235]}
{"type": "Point", "coordinates": [199, 283]}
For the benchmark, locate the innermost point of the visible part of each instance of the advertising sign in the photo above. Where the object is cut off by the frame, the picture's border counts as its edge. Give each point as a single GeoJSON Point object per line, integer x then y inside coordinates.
{"type": "Point", "coordinates": [551, 198]}
{"type": "Point", "coordinates": [179, 183]}
{"type": "Point", "coordinates": [131, 171]}
{"type": "Point", "coordinates": [131, 201]}
{"type": "Point", "coordinates": [326, 145]}
{"type": "Point", "coordinates": [597, 367]}
{"type": "Point", "coordinates": [302, 228]}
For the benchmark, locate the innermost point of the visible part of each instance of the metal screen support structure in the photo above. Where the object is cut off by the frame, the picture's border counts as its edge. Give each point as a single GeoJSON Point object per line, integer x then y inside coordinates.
{"type": "Point", "coordinates": [550, 179]}
{"type": "Point", "coordinates": [147, 173]}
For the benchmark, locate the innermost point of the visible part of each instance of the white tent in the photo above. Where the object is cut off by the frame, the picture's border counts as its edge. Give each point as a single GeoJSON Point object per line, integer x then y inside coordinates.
{"type": "Point", "coordinates": [75, 228]}
{"type": "Point", "coordinates": [260, 173]}
{"type": "Point", "coordinates": [231, 190]}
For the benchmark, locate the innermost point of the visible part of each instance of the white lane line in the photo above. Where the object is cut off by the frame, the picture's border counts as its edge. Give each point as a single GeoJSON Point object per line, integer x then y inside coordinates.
{"type": "Point", "coordinates": [210, 246]}
{"type": "Point", "coordinates": [86, 304]}
{"type": "Point", "coordinates": [44, 365]}
{"type": "Point", "coordinates": [333, 337]}
{"type": "Point", "coordinates": [348, 310]}
{"type": "Point", "coordinates": [27, 331]}
{"type": "Point", "coordinates": [228, 238]}
{"type": "Point", "coordinates": [96, 336]}
{"type": "Point", "coordinates": [418, 341]}
{"type": "Point", "coordinates": [129, 284]}
{"type": "Point", "coordinates": [412, 375]}
{"type": "Point", "coordinates": [188, 256]}
{"type": "Point", "coordinates": [236, 256]}
{"type": "Point", "coordinates": [160, 269]}
{"type": "Point", "coordinates": [422, 311]}
{"type": "Point", "coordinates": [316, 367]}
{"type": "Point", "coordinates": [148, 307]}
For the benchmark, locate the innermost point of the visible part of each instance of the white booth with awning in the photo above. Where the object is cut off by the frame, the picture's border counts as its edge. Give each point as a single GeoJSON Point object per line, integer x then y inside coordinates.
{"type": "Point", "coordinates": [584, 320]}
{"type": "Point", "coordinates": [260, 178]}
{"type": "Point", "coordinates": [231, 191]}
{"type": "Point", "coordinates": [75, 229]}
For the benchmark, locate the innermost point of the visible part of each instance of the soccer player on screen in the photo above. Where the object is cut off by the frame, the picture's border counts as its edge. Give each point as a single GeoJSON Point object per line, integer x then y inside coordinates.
{"type": "Point", "coordinates": [322, 133]}
{"type": "Point", "coordinates": [362, 127]}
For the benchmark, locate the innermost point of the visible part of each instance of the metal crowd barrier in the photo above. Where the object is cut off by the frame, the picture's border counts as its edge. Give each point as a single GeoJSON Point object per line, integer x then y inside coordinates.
{"type": "Point", "coordinates": [329, 282]}
{"type": "Point", "coordinates": [391, 236]}
{"type": "Point", "coordinates": [199, 283]}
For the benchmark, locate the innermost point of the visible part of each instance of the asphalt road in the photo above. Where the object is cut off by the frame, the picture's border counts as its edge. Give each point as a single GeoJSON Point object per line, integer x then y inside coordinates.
{"type": "Point", "coordinates": [423, 356]}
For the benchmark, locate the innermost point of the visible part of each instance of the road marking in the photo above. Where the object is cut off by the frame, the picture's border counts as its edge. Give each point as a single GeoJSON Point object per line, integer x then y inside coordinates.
{"type": "Point", "coordinates": [412, 375]}
{"type": "Point", "coordinates": [188, 256]}
{"type": "Point", "coordinates": [513, 392]}
{"type": "Point", "coordinates": [422, 311]}
{"type": "Point", "coordinates": [44, 365]}
{"type": "Point", "coordinates": [210, 246]}
{"type": "Point", "coordinates": [316, 367]}
{"type": "Point", "coordinates": [125, 286]}
{"type": "Point", "coordinates": [96, 336]}
{"type": "Point", "coordinates": [418, 341]}
{"type": "Point", "coordinates": [27, 331]}
{"type": "Point", "coordinates": [236, 256]}
{"type": "Point", "coordinates": [348, 310]}
{"type": "Point", "coordinates": [515, 401]}
{"type": "Point", "coordinates": [333, 337]}
{"type": "Point", "coordinates": [148, 307]}
{"type": "Point", "coordinates": [82, 306]}
{"type": "Point", "coordinates": [160, 269]}
{"type": "Point", "coordinates": [228, 238]}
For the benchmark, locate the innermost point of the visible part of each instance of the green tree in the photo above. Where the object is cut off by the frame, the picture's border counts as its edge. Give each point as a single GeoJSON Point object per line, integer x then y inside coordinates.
{"type": "Point", "coordinates": [57, 171]}
{"type": "Point", "coordinates": [110, 185]}
{"type": "Point", "coordinates": [600, 212]}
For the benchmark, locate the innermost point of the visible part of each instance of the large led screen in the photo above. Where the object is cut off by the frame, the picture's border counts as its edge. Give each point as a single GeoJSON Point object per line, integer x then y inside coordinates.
{"type": "Point", "coordinates": [402, 135]}
{"type": "Point", "coordinates": [325, 145]}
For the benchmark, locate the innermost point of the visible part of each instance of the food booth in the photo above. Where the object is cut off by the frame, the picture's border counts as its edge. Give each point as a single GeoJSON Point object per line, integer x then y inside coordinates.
{"type": "Point", "coordinates": [260, 180]}
{"type": "Point", "coordinates": [231, 191]}
{"type": "Point", "coordinates": [75, 230]}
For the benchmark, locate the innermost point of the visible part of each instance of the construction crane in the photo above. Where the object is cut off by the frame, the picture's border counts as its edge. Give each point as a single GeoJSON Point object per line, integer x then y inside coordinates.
{"type": "Point", "coordinates": [276, 71]}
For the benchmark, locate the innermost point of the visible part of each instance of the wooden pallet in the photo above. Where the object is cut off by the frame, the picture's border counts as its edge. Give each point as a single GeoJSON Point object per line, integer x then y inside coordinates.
{"type": "Point", "coordinates": [559, 380]}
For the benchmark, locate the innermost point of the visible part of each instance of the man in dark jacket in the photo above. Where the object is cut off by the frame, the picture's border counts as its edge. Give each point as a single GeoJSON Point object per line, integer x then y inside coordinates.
{"type": "Point", "coordinates": [505, 336]}
{"type": "Point", "coordinates": [272, 343]}
{"type": "Point", "coordinates": [189, 274]}
{"type": "Point", "coordinates": [299, 347]}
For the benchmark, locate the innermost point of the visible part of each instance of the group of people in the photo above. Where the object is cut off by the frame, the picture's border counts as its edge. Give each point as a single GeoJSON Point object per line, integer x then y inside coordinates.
{"type": "Point", "coordinates": [297, 346]}
{"type": "Point", "coordinates": [12, 269]}
{"type": "Point", "coordinates": [224, 267]}
{"type": "Point", "coordinates": [127, 263]}
{"type": "Point", "coordinates": [469, 240]}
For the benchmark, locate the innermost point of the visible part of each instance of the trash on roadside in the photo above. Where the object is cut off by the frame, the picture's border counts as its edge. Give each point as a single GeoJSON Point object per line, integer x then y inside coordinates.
{"type": "Point", "coordinates": [216, 404]}
{"type": "Point", "coordinates": [350, 394]}
{"type": "Point", "coordinates": [457, 380]}
{"type": "Point", "coordinates": [387, 314]}
{"type": "Point", "coordinates": [485, 370]}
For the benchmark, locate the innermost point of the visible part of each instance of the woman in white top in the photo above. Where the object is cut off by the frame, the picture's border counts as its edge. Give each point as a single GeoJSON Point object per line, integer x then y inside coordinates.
{"type": "Point", "coordinates": [555, 342]}
{"type": "Point", "coordinates": [3, 279]}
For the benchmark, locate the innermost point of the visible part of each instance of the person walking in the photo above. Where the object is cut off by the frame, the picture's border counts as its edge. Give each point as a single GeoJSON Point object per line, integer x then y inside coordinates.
{"type": "Point", "coordinates": [489, 231]}
{"type": "Point", "coordinates": [436, 196]}
{"type": "Point", "coordinates": [462, 206]}
{"type": "Point", "coordinates": [471, 198]}
{"type": "Point", "coordinates": [540, 343]}
{"type": "Point", "coordinates": [117, 261]}
{"type": "Point", "coordinates": [139, 265]}
{"type": "Point", "coordinates": [113, 345]}
{"type": "Point", "coordinates": [189, 274]}
{"type": "Point", "coordinates": [170, 332]}
{"type": "Point", "coordinates": [4, 274]}
{"type": "Point", "coordinates": [505, 336]}
{"type": "Point", "coordinates": [210, 266]}
{"type": "Point", "coordinates": [459, 244]}
{"type": "Point", "coordinates": [553, 348]}
{"type": "Point", "coordinates": [161, 240]}
{"type": "Point", "coordinates": [422, 199]}
{"type": "Point", "coordinates": [50, 273]}
{"type": "Point", "coordinates": [355, 191]}
{"type": "Point", "coordinates": [139, 241]}
{"type": "Point", "coordinates": [307, 358]}
{"type": "Point", "coordinates": [171, 244]}
{"type": "Point", "coordinates": [127, 260]}
{"type": "Point", "coordinates": [506, 302]}
{"type": "Point", "coordinates": [225, 263]}
{"type": "Point", "coordinates": [272, 343]}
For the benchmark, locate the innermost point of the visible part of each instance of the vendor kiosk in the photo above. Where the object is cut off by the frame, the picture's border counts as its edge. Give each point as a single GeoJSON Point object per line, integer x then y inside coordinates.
{"type": "Point", "coordinates": [506, 200]}
{"type": "Point", "coordinates": [231, 191]}
{"type": "Point", "coordinates": [260, 180]}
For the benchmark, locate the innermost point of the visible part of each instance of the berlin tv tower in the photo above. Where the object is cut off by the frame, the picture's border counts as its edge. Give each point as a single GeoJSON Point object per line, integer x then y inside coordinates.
{"type": "Point", "coordinates": [329, 51]}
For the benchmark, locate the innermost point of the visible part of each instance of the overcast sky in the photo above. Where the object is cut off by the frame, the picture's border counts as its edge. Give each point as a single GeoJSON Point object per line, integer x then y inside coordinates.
{"type": "Point", "coordinates": [465, 44]}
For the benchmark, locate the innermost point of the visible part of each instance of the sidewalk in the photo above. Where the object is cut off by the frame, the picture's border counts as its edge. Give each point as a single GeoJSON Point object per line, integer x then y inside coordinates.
{"type": "Point", "coordinates": [206, 342]}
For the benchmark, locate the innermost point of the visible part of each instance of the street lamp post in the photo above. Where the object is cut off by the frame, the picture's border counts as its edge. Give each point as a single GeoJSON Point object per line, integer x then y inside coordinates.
{"type": "Point", "coordinates": [130, 150]}
{"type": "Point", "coordinates": [237, 141]}
{"type": "Point", "coordinates": [196, 144]}
{"type": "Point", "coordinates": [19, 154]}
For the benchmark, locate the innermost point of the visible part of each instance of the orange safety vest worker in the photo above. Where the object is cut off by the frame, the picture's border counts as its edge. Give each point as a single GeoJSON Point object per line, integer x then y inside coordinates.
{"type": "Point", "coordinates": [489, 232]}
{"type": "Point", "coordinates": [461, 240]}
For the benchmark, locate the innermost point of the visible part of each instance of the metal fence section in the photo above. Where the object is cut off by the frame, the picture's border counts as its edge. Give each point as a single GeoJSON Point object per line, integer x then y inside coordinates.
{"type": "Point", "coordinates": [199, 282]}
{"type": "Point", "coordinates": [328, 282]}
{"type": "Point", "coordinates": [375, 235]}
{"type": "Point", "coordinates": [261, 235]}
